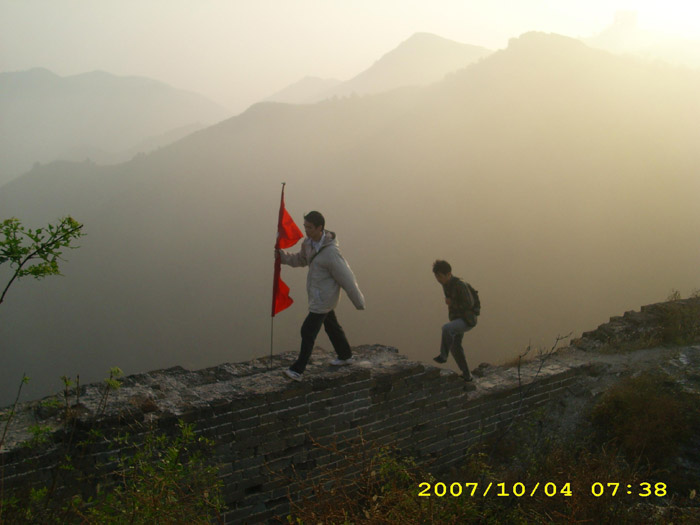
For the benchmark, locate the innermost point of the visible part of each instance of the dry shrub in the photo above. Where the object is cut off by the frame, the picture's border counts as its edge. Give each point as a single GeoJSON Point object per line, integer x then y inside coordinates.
{"type": "Point", "coordinates": [385, 491]}
{"type": "Point", "coordinates": [648, 416]}
{"type": "Point", "coordinates": [636, 427]}
{"type": "Point", "coordinates": [680, 322]}
{"type": "Point", "coordinates": [369, 484]}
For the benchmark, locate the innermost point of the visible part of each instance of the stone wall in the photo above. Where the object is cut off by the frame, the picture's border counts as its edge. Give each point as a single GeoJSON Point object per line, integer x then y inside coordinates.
{"type": "Point", "coordinates": [270, 432]}
{"type": "Point", "coordinates": [652, 325]}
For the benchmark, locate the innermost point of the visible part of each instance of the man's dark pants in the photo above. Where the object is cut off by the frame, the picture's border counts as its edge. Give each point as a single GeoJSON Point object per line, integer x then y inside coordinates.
{"type": "Point", "coordinates": [309, 331]}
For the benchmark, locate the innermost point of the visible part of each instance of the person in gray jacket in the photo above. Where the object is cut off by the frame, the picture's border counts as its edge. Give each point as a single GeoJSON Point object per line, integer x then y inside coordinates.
{"type": "Point", "coordinates": [328, 273]}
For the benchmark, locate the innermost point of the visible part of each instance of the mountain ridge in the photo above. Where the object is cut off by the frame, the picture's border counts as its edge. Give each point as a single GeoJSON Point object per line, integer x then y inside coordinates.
{"type": "Point", "coordinates": [420, 60]}
{"type": "Point", "coordinates": [49, 117]}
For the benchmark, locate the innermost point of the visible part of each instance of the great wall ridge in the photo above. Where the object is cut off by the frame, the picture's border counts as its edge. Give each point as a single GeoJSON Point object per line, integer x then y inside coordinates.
{"type": "Point", "coordinates": [264, 427]}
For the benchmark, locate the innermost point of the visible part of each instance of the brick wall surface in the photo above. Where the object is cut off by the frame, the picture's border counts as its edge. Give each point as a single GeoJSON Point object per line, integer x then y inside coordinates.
{"type": "Point", "coordinates": [271, 433]}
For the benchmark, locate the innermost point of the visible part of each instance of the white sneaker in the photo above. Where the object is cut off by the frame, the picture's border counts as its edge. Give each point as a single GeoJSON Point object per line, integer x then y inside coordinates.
{"type": "Point", "coordinates": [341, 362]}
{"type": "Point", "coordinates": [291, 374]}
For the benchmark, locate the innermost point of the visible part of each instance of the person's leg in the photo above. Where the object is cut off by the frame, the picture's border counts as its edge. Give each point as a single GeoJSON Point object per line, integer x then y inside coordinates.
{"type": "Point", "coordinates": [309, 331]}
{"type": "Point", "coordinates": [337, 336]}
{"type": "Point", "coordinates": [452, 334]}
{"type": "Point", "coordinates": [449, 330]}
{"type": "Point", "coordinates": [458, 354]}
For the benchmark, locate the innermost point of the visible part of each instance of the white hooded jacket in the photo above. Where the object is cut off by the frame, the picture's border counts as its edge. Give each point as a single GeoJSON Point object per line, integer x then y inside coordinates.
{"type": "Point", "coordinates": [328, 272]}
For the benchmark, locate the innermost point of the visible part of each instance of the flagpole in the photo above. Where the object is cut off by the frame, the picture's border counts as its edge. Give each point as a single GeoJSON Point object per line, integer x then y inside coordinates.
{"type": "Point", "coordinates": [288, 234]}
{"type": "Point", "coordinates": [272, 319]}
{"type": "Point", "coordinates": [272, 327]}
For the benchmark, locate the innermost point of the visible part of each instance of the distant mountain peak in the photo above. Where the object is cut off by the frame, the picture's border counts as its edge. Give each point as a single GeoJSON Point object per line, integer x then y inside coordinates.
{"type": "Point", "coordinates": [427, 43]}
{"type": "Point", "coordinates": [423, 37]}
{"type": "Point", "coordinates": [98, 75]}
{"type": "Point", "coordinates": [542, 39]}
{"type": "Point", "coordinates": [422, 59]}
{"type": "Point", "coordinates": [33, 73]}
{"type": "Point", "coordinates": [96, 114]}
{"type": "Point", "coordinates": [40, 71]}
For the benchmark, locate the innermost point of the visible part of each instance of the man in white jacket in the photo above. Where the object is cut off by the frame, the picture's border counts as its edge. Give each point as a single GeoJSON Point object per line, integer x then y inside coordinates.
{"type": "Point", "coordinates": [328, 273]}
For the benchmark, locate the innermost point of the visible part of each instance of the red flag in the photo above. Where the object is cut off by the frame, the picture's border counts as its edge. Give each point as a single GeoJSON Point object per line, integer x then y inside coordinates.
{"type": "Point", "coordinates": [288, 234]}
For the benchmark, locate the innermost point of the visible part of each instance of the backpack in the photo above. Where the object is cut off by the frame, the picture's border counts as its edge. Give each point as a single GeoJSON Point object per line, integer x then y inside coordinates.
{"type": "Point", "coordinates": [476, 303]}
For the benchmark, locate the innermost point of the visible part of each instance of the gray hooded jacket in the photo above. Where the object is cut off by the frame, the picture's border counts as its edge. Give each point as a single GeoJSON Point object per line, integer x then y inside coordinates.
{"type": "Point", "coordinates": [328, 273]}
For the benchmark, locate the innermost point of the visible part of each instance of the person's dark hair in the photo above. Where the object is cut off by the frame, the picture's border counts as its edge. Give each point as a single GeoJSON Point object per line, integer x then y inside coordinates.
{"type": "Point", "coordinates": [442, 267]}
{"type": "Point", "coordinates": [315, 218]}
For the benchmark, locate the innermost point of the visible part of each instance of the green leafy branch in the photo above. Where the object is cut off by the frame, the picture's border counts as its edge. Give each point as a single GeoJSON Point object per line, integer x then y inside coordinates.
{"type": "Point", "coordinates": [11, 413]}
{"type": "Point", "coordinates": [35, 253]}
{"type": "Point", "coordinates": [111, 383]}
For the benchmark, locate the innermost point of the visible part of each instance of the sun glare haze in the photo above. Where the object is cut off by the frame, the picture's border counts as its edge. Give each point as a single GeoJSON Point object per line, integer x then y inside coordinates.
{"type": "Point", "coordinates": [548, 148]}
{"type": "Point", "coordinates": [506, 197]}
{"type": "Point", "coordinates": [240, 52]}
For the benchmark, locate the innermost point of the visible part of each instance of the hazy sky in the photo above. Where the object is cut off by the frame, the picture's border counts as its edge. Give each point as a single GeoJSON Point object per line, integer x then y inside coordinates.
{"type": "Point", "coordinates": [239, 51]}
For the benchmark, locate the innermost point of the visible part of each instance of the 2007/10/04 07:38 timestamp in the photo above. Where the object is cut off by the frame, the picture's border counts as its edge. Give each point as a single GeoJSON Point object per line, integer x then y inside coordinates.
{"type": "Point", "coordinates": [597, 489]}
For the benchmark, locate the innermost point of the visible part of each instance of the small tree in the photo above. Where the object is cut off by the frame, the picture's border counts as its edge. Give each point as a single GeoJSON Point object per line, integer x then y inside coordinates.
{"type": "Point", "coordinates": [35, 252]}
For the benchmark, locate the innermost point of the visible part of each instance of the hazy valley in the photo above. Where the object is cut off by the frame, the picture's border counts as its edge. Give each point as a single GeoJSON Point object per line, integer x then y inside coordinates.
{"type": "Point", "coordinates": [97, 116]}
{"type": "Point", "coordinates": [560, 180]}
